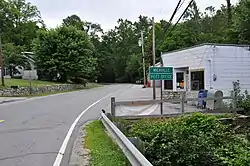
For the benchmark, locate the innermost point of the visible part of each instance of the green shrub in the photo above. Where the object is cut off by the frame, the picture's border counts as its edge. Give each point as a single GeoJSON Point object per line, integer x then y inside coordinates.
{"type": "Point", "coordinates": [245, 104]}
{"type": "Point", "coordinates": [79, 80]}
{"type": "Point", "coordinates": [190, 140]}
{"type": "Point", "coordinates": [243, 99]}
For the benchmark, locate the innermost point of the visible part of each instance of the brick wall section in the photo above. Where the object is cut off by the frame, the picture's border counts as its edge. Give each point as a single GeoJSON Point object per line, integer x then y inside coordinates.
{"type": "Point", "coordinates": [172, 94]}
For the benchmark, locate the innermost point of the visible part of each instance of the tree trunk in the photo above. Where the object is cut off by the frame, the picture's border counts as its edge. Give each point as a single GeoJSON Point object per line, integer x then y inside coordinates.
{"type": "Point", "coordinates": [229, 11]}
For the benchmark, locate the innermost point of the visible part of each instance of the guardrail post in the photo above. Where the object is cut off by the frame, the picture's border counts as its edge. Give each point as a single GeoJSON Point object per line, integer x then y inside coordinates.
{"type": "Point", "coordinates": [182, 102]}
{"type": "Point", "coordinates": [113, 106]}
{"type": "Point", "coordinates": [138, 143]}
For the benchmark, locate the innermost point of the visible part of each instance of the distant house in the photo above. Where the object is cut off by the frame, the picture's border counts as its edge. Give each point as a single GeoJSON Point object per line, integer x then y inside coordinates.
{"type": "Point", "coordinates": [32, 73]}
{"type": "Point", "coordinates": [208, 66]}
{"type": "Point", "coordinates": [20, 71]}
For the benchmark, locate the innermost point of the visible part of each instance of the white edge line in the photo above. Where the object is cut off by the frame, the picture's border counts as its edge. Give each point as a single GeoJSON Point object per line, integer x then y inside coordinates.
{"type": "Point", "coordinates": [61, 152]}
{"type": "Point", "coordinates": [66, 140]}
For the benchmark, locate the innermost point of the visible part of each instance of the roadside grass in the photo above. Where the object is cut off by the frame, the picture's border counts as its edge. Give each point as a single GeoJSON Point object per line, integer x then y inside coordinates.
{"type": "Point", "coordinates": [103, 151]}
{"type": "Point", "coordinates": [21, 82]}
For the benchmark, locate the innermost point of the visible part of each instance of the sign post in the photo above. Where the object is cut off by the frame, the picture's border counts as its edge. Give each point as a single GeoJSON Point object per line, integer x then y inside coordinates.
{"type": "Point", "coordinates": [161, 73]}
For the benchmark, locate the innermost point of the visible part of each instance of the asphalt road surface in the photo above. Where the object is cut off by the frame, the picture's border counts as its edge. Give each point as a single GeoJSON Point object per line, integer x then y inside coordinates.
{"type": "Point", "coordinates": [33, 130]}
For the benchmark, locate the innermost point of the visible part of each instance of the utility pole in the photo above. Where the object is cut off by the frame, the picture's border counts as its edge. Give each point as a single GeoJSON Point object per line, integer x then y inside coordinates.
{"type": "Point", "coordinates": [153, 50]}
{"type": "Point", "coordinates": [143, 59]}
{"type": "Point", "coordinates": [1, 61]}
{"type": "Point", "coordinates": [161, 90]}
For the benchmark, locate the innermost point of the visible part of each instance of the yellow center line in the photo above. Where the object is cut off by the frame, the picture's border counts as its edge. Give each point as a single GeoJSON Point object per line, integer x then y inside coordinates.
{"type": "Point", "coordinates": [1, 121]}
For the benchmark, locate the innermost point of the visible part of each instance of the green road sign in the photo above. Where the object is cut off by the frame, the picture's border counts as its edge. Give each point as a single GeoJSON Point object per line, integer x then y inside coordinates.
{"type": "Point", "coordinates": [161, 73]}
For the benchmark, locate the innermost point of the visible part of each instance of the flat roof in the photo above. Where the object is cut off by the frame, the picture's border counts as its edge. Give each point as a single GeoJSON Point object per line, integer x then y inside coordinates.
{"type": "Point", "coordinates": [206, 44]}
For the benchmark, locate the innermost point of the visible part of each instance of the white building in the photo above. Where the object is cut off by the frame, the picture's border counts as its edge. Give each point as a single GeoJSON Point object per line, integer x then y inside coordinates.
{"type": "Point", "coordinates": [208, 66]}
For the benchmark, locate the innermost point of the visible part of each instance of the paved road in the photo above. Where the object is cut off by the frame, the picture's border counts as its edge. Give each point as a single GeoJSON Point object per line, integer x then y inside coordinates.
{"type": "Point", "coordinates": [10, 99]}
{"type": "Point", "coordinates": [33, 130]}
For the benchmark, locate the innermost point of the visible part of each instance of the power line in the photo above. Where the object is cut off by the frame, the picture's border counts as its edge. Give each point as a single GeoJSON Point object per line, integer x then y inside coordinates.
{"type": "Point", "coordinates": [181, 4]}
{"type": "Point", "coordinates": [175, 11]}
{"type": "Point", "coordinates": [180, 17]}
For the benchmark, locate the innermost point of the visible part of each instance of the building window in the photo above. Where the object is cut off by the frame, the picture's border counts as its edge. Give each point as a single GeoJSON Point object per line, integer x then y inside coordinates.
{"type": "Point", "coordinates": [197, 80]}
{"type": "Point", "coordinates": [168, 84]}
{"type": "Point", "coordinates": [180, 80]}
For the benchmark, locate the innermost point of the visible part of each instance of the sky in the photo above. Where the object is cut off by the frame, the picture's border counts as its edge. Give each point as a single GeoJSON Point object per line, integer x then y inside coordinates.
{"type": "Point", "coordinates": [107, 12]}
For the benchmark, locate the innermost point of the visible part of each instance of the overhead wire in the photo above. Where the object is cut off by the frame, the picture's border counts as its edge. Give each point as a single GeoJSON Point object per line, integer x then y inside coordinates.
{"type": "Point", "coordinates": [175, 11]}
{"type": "Point", "coordinates": [180, 17]}
{"type": "Point", "coordinates": [179, 4]}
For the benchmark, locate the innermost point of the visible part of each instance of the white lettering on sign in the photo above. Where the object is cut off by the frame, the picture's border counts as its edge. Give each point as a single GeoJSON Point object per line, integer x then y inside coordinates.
{"type": "Point", "coordinates": [161, 70]}
{"type": "Point", "coordinates": [161, 76]}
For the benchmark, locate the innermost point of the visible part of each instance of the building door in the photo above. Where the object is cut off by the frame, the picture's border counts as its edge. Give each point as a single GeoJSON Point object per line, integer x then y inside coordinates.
{"type": "Point", "coordinates": [180, 80]}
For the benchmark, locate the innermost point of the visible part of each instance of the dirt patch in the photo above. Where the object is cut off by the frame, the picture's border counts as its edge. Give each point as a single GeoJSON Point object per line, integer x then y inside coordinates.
{"type": "Point", "coordinates": [80, 155]}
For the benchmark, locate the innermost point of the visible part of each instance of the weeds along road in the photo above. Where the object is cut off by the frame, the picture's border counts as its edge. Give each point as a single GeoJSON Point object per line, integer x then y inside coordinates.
{"type": "Point", "coordinates": [34, 130]}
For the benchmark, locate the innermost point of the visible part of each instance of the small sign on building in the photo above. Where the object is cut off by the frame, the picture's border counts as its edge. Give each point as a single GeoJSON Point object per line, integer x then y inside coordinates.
{"type": "Point", "coordinates": [161, 73]}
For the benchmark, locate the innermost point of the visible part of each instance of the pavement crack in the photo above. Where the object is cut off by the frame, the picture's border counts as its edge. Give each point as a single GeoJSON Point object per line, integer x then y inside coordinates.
{"type": "Point", "coordinates": [29, 129]}
{"type": "Point", "coordinates": [27, 154]}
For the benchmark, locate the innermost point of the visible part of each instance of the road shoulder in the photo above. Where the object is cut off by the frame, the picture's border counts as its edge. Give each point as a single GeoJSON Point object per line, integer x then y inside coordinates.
{"type": "Point", "coordinates": [10, 99]}
{"type": "Point", "coordinates": [80, 155]}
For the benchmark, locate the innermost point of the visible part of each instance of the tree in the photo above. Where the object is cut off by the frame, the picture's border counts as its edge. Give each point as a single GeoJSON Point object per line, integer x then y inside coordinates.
{"type": "Point", "coordinates": [134, 67]}
{"type": "Point", "coordinates": [66, 51]}
{"type": "Point", "coordinates": [242, 21]}
{"type": "Point", "coordinates": [12, 56]}
{"type": "Point", "coordinates": [229, 11]}
{"type": "Point", "coordinates": [106, 67]}
{"type": "Point", "coordinates": [19, 21]}
{"type": "Point", "coordinates": [75, 21]}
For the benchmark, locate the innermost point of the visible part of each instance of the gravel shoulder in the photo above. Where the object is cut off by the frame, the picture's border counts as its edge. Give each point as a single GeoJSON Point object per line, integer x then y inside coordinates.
{"type": "Point", "coordinates": [80, 155]}
{"type": "Point", "coordinates": [94, 146]}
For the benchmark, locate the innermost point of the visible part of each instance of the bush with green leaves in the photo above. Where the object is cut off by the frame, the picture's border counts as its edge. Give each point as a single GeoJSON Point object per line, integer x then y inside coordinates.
{"type": "Point", "coordinates": [191, 140]}
{"type": "Point", "coordinates": [66, 51]}
{"type": "Point", "coordinates": [242, 99]}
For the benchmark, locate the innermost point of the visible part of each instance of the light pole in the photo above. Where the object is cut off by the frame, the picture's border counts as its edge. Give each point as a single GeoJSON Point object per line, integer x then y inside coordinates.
{"type": "Point", "coordinates": [141, 43]}
{"type": "Point", "coordinates": [1, 61]}
{"type": "Point", "coordinates": [153, 50]}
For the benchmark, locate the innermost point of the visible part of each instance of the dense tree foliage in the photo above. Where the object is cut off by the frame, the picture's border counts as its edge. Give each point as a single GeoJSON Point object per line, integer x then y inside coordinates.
{"type": "Point", "coordinates": [64, 53]}
{"type": "Point", "coordinates": [19, 23]}
{"type": "Point", "coordinates": [115, 55]}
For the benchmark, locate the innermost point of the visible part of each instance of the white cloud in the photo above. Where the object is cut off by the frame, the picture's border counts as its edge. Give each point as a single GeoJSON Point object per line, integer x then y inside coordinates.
{"type": "Point", "coordinates": [107, 12]}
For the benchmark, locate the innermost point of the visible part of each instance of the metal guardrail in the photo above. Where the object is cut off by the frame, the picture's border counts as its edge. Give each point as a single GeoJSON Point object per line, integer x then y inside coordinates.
{"type": "Point", "coordinates": [132, 153]}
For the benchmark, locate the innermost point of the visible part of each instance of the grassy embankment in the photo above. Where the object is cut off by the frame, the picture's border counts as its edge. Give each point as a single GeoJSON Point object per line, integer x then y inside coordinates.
{"type": "Point", "coordinates": [103, 150]}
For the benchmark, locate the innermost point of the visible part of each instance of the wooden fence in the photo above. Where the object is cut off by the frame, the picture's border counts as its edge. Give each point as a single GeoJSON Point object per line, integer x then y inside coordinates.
{"type": "Point", "coordinates": [181, 100]}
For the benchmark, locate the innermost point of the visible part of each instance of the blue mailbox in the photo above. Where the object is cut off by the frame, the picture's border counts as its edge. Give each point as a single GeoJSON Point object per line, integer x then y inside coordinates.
{"type": "Point", "coordinates": [201, 103]}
